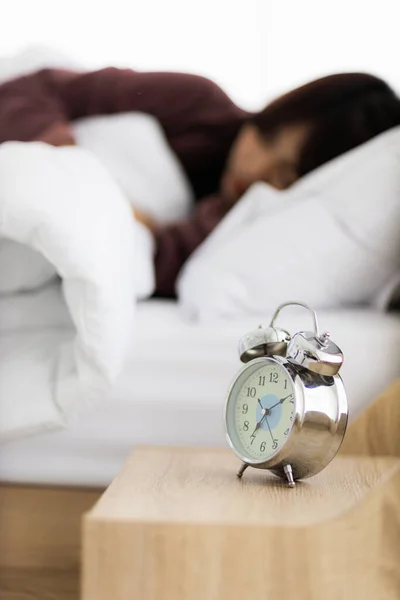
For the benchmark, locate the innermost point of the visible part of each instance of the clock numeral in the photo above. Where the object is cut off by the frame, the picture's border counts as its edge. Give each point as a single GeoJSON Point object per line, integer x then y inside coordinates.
{"type": "Point", "coordinates": [261, 380]}
{"type": "Point", "coordinates": [251, 392]}
{"type": "Point", "coordinates": [273, 377]}
{"type": "Point", "coordinates": [252, 437]}
{"type": "Point", "coordinates": [275, 445]}
{"type": "Point", "coordinates": [245, 408]}
{"type": "Point", "coordinates": [246, 425]}
{"type": "Point", "coordinates": [287, 431]}
{"type": "Point", "coordinates": [262, 447]}
{"type": "Point", "coordinates": [285, 384]}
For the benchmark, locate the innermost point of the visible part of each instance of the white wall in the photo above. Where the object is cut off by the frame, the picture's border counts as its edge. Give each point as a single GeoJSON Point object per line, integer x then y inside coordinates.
{"type": "Point", "coordinates": [254, 48]}
{"type": "Point", "coordinates": [317, 37]}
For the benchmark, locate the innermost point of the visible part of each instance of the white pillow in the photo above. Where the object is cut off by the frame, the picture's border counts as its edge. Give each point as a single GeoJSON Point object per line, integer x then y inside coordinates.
{"type": "Point", "coordinates": [332, 240]}
{"type": "Point", "coordinates": [133, 147]}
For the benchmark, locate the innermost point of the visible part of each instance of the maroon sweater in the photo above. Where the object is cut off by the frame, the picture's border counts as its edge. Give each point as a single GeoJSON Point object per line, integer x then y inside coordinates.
{"type": "Point", "coordinates": [200, 123]}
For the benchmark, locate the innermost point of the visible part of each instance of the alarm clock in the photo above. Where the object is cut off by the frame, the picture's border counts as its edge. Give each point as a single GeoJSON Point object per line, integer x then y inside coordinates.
{"type": "Point", "coordinates": [287, 408]}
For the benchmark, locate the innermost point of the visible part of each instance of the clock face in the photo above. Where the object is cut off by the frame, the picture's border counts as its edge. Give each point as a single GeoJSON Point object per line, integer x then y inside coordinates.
{"type": "Point", "coordinates": [261, 410]}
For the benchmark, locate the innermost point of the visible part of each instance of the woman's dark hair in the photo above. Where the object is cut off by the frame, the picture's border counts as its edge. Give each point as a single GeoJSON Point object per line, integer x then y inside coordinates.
{"type": "Point", "coordinates": [343, 111]}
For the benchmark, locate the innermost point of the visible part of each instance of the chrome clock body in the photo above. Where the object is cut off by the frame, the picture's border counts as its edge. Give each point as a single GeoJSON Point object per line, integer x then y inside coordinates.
{"type": "Point", "coordinates": [306, 377]}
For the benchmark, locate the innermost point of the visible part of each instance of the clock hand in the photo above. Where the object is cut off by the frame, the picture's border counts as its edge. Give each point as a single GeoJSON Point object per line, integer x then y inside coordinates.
{"type": "Point", "coordinates": [257, 427]}
{"type": "Point", "coordinates": [270, 430]}
{"type": "Point", "coordinates": [281, 401]}
{"type": "Point", "coordinates": [266, 411]}
{"type": "Point", "coordinates": [259, 424]}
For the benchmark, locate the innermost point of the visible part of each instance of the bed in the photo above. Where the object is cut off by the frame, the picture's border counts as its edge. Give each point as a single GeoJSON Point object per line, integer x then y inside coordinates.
{"type": "Point", "coordinates": [172, 390]}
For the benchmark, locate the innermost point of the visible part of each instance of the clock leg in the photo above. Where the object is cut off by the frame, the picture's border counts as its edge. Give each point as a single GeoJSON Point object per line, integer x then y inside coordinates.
{"type": "Point", "coordinates": [289, 475]}
{"type": "Point", "coordinates": [241, 470]}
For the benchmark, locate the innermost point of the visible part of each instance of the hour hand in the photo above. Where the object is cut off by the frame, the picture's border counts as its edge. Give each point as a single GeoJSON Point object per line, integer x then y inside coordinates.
{"type": "Point", "coordinates": [264, 411]}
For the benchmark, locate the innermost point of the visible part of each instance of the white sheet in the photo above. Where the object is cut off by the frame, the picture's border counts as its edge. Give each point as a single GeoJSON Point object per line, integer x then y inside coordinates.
{"type": "Point", "coordinates": [174, 387]}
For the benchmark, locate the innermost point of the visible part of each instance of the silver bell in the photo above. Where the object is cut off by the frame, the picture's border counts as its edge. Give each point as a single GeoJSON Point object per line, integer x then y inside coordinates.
{"type": "Point", "coordinates": [315, 352]}
{"type": "Point", "coordinates": [270, 341]}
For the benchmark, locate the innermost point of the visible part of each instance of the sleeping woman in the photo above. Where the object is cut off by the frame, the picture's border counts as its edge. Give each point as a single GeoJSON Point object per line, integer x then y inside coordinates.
{"type": "Point", "coordinates": [222, 149]}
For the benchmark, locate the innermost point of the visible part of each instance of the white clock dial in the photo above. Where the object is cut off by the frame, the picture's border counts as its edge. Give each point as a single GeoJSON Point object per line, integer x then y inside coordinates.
{"type": "Point", "coordinates": [261, 411]}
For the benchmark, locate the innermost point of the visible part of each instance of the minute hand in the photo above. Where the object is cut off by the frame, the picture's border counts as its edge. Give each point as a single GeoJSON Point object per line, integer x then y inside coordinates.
{"type": "Point", "coordinates": [281, 401]}
{"type": "Point", "coordinates": [269, 428]}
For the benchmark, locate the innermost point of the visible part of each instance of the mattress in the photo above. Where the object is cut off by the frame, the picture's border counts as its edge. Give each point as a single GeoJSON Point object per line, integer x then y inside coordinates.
{"type": "Point", "coordinates": [173, 389]}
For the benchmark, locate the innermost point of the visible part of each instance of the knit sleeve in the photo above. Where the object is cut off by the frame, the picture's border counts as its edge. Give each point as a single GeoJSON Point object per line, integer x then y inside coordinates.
{"type": "Point", "coordinates": [172, 98]}
{"type": "Point", "coordinates": [31, 111]}
{"type": "Point", "coordinates": [176, 242]}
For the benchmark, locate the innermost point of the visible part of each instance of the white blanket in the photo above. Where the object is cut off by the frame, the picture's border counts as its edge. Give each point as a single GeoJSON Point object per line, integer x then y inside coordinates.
{"type": "Point", "coordinates": [65, 212]}
{"type": "Point", "coordinates": [62, 203]}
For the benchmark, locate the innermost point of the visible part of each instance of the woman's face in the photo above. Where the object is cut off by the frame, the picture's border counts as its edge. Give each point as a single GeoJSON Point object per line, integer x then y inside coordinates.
{"type": "Point", "coordinates": [255, 157]}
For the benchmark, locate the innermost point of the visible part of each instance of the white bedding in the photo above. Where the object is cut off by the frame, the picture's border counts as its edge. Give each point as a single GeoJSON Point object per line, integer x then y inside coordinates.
{"type": "Point", "coordinates": [66, 211]}
{"type": "Point", "coordinates": [66, 204]}
{"type": "Point", "coordinates": [173, 390]}
{"type": "Point", "coordinates": [63, 204]}
{"type": "Point", "coordinates": [332, 238]}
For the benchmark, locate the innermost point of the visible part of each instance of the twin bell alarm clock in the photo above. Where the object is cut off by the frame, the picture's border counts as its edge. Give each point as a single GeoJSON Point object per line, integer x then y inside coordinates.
{"type": "Point", "coordinates": [287, 408]}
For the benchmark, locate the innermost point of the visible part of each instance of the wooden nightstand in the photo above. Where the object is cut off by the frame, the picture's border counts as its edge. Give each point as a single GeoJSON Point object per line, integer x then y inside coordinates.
{"type": "Point", "coordinates": [176, 524]}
